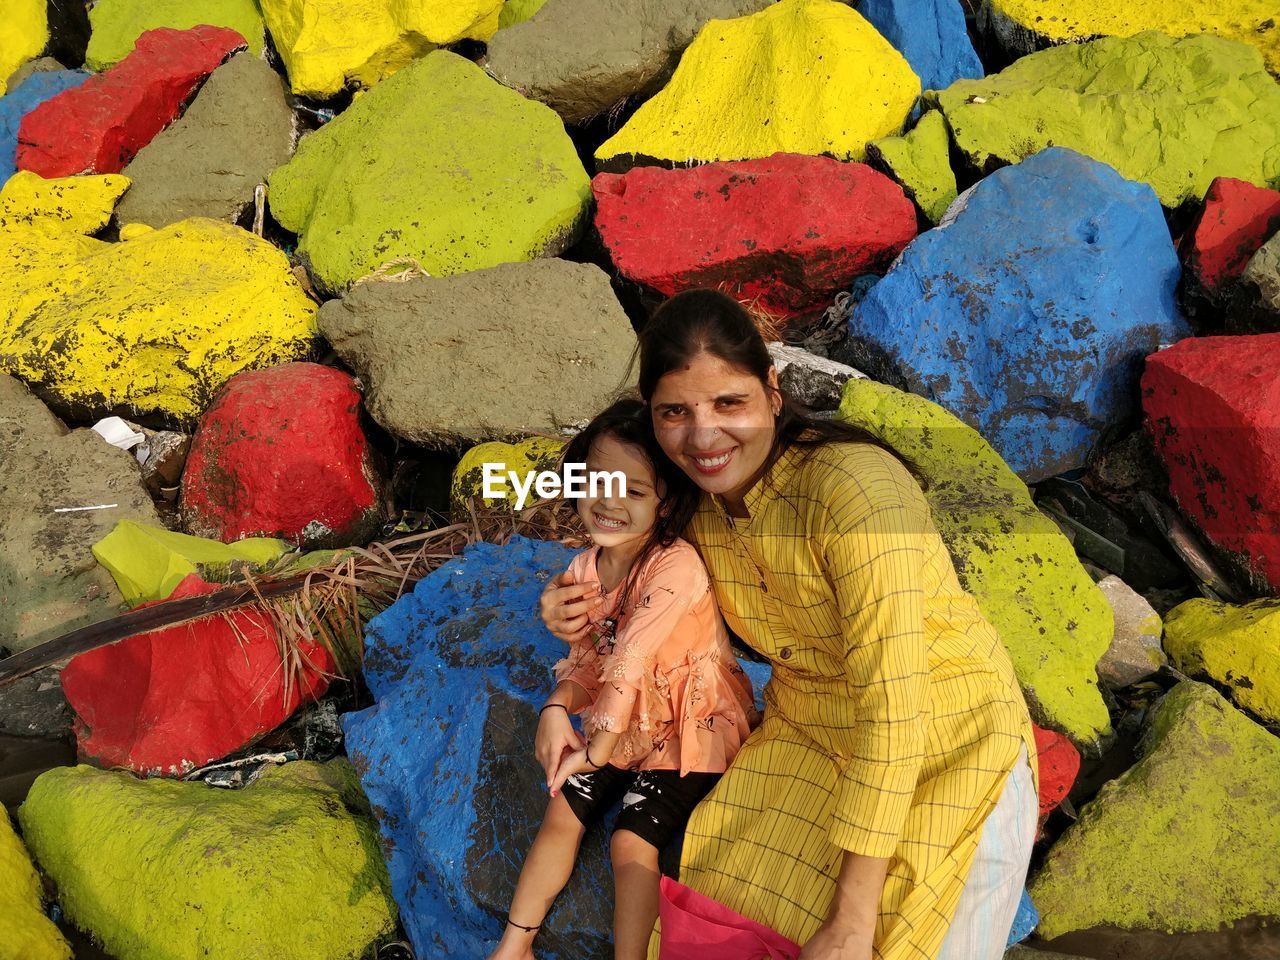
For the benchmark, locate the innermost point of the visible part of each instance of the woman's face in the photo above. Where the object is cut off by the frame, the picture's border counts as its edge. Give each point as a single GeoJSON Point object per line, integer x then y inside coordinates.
{"type": "Point", "coordinates": [716, 422]}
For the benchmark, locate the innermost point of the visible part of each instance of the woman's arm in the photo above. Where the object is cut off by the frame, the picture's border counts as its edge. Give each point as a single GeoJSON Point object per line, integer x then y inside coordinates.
{"type": "Point", "coordinates": [874, 555]}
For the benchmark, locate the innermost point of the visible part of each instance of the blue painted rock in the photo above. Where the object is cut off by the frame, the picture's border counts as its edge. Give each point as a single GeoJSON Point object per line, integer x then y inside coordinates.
{"type": "Point", "coordinates": [459, 668]}
{"type": "Point", "coordinates": [1028, 312]}
{"type": "Point", "coordinates": [931, 34]}
{"type": "Point", "coordinates": [1024, 921]}
{"type": "Point", "coordinates": [24, 98]}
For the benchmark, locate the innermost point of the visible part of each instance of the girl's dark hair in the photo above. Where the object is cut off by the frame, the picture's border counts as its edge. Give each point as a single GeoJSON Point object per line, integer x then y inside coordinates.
{"type": "Point", "coordinates": [627, 420]}
{"type": "Point", "coordinates": [708, 321]}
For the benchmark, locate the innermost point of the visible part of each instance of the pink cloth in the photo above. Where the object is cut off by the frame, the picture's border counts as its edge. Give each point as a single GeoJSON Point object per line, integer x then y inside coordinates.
{"type": "Point", "coordinates": [696, 927]}
{"type": "Point", "coordinates": [661, 671]}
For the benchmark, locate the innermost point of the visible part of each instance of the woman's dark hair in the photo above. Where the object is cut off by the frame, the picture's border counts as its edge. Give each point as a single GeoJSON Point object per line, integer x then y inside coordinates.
{"type": "Point", "coordinates": [708, 321]}
{"type": "Point", "coordinates": [627, 420]}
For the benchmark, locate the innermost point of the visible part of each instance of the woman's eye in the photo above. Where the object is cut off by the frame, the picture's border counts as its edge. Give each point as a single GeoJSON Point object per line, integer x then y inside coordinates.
{"type": "Point", "coordinates": [673, 413]}
{"type": "Point", "coordinates": [729, 402]}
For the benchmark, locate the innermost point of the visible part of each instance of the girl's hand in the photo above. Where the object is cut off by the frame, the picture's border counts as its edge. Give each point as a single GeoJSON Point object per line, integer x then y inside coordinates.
{"type": "Point", "coordinates": [555, 738]}
{"type": "Point", "coordinates": [836, 942]}
{"type": "Point", "coordinates": [564, 606]}
{"type": "Point", "coordinates": [572, 763]}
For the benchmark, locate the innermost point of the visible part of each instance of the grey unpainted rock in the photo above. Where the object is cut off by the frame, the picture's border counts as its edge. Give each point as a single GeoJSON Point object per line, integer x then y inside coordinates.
{"type": "Point", "coordinates": [582, 57]}
{"type": "Point", "coordinates": [514, 350]}
{"type": "Point", "coordinates": [50, 583]}
{"type": "Point", "coordinates": [1256, 306]}
{"type": "Point", "coordinates": [807, 378]}
{"type": "Point", "coordinates": [1135, 652]}
{"type": "Point", "coordinates": [38, 65]}
{"type": "Point", "coordinates": [236, 132]}
{"type": "Point", "coordinates": [34, 706]}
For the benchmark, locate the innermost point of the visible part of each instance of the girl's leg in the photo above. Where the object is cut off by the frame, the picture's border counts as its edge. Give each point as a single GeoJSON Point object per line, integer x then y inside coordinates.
{"type": "Point", "coordinates": [993, 888]}
{"type": "Point", "coordinates": [546, 870]}
{"type": "Point", "coordinates": [635, 877]}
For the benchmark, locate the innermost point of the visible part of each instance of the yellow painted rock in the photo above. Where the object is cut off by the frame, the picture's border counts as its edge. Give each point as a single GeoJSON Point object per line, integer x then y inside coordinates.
{"type": "Point", "coordinates": [328, 44]}
{"type": "Point", "coordinates": [78, 204]}
{"type": "Point", "coordinates": [24, 31]}
{"type": "Point", "coordinates": [25, 932]}
{"type": "Point", "coordinates": [535, 453]}
{"type": "Point", "coordinates": [151, 326]}
{"type": "Point", "coordinates": [1024, 26]}
{"type": "Point", "coordinates": [147, 562]}
{"type": "Point", "coordinates": [820, 79]}
{"type": "Point", "coordinates": [1237, 646]}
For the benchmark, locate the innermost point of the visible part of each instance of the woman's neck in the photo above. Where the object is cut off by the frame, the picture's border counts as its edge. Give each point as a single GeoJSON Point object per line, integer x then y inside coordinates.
{"type": "Point", "coordinates": [614, 563]}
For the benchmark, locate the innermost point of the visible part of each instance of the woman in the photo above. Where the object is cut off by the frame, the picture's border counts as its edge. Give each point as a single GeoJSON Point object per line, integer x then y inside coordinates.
{"type": "Point", "coordinates": [855, 819]}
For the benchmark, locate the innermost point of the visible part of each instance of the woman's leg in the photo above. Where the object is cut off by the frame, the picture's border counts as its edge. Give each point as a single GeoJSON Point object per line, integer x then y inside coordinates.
{"type": "Point", "coordinates": [635, 879]}
{"type": "Point", "coordinates": [994, 886]}
{"type": "Point", "coordinates": [546, 870]}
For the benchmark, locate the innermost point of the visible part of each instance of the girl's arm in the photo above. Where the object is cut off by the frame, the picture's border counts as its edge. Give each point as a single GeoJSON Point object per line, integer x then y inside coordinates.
{"type": "Point", "coordinates": [591, 757]}
{"type": "Point", "coordinates": [556, 738]}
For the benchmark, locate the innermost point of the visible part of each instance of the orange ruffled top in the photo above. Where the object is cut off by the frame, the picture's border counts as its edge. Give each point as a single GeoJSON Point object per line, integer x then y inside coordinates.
{"type": "Point", "coordinates": [661, 671]}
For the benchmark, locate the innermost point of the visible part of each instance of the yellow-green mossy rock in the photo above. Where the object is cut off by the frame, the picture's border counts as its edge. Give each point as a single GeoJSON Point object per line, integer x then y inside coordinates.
{"type": "Point", "coordinates": [25, 932]}
{"type": "Point", "coordinates": [1024, 26]}
{"type": "Point", "coordinates": [79, 204]}
{"type": "Point", "coordinates": [327, 45]}
{"type": "Point", "coordinates": [1174, 113]}
{"type": "Point", "coordinates": [800, 76]}
{"type": "Point", "coordinates": [151, 326]}
{"type": "Point", "coordinates": [921, 161]}
{"type": "Point", "coordinates": [442, 165]}
{"type": "Point", "coordinates": [116, 24]}
{"type": "Point", "coordinates": [518, 11]}
{"type": "Point", "coordinates": [24, 32]}
{"type": "Point", "coordinates": [147, 562]}
{"type": "Point", "coordinates": [1239, 647]}
{"type": "Point", "coordinates": [1186, 840]}
{"type": "Point", "coordinates": [1052, 617]}
{"type": "Point", "coordinates": [523, 456]}
{"type": "Point", "coordinates": [287, 868]}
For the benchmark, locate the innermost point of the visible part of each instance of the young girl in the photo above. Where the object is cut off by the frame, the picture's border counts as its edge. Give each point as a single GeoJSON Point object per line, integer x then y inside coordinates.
{"type": "Point", "coordinates": [665, 705]}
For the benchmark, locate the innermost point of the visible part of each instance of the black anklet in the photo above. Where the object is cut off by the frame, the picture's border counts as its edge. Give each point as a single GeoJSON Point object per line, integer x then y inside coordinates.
{"type": "Point", "coordinates": [521, 926]}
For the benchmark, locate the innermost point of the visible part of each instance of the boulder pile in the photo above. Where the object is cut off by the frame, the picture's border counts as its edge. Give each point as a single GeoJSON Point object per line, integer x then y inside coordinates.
{"type": "Point", "coordinates": [281, 280]}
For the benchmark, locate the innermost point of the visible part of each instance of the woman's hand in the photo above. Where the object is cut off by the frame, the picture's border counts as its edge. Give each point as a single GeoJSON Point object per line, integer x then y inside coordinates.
{"type": "Point", "coordinates": [564, 607]}
{"type": "Point", "coordinates": [572, 763]}
{"type": "Point", "coordinates": [834, 941]}
{"type": "Point", "coordinates": [555, 739]}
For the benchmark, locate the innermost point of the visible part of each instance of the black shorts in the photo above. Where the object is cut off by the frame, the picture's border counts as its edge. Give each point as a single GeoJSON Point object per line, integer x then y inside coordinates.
{"type": "Point", "coordinates": [655, 803]}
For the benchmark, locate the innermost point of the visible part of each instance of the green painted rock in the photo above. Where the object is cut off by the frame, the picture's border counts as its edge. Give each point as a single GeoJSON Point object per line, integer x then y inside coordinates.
{"type": "Point", "coordinates": [49, 581]}
{"type": "Point", "coordinates": [520, 349]}
{"type": "Point", "coordinates": [1239, 647]}
{"type": "Point", "coordinates": [25, 932]}
{"type": "Point", "coordinates": [440, 164]}
{"type": "Point", "coordinates": [147, 562]}
{"type": "Point", "coordinates": [287, 868]}
{"type": "Point", "coordinates": [582, 57]}
{"type": "Point", "coordinates": [117, 24]}
{"type": "Point", "coordinates": [1053, 619]}
{"type": "Point", "coordinates": [921, 162]}
{"type": "Point", "coordinates": [1186, 840]}
{"type": "Point", "coordinates": [1172, 113]}
{"type": "Point", "coordinates": [207, 164]}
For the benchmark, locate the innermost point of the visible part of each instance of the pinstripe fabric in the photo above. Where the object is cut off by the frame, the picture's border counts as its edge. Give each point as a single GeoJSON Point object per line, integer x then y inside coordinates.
{"type": "Point", "coordinates": [893, 716]}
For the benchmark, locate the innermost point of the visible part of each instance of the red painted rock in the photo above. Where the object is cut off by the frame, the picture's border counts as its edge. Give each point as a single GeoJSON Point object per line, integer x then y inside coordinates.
{"type": "Point", "coordinates": [788, 231]}
{"type": "Point", "coordinates": [1236, 220]}
{"type": "Point", "coordinates": [1212, 405]}
{"type": "Point", "coordinates": [281, 453]}
{"type": "Point", "coordinates": [98, 126]}
{"type": "Point", "coordinates": [1059, 766]}
{"type": "Point", "coordinates": [166, 702]}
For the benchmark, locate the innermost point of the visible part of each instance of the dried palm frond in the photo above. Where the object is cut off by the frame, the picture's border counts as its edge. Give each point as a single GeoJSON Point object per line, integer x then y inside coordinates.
{"type": "Point", "coordinates": [327, 604]}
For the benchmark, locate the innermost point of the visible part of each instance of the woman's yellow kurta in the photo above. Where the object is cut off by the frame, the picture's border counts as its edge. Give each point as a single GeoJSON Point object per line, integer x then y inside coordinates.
{"type": "Point", "coordinates": [893, 717]}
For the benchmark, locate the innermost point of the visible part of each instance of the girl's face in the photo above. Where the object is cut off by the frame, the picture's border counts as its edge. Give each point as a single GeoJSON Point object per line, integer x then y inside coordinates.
{"type": "Point", "coordinates": [611, 519]}
{"type": "Point", "coordinates": [716, 422]}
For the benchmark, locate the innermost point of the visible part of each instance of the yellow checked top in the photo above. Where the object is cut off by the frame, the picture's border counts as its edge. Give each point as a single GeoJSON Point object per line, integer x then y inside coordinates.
{"type": "Point", "coordinates": [893, 717]}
